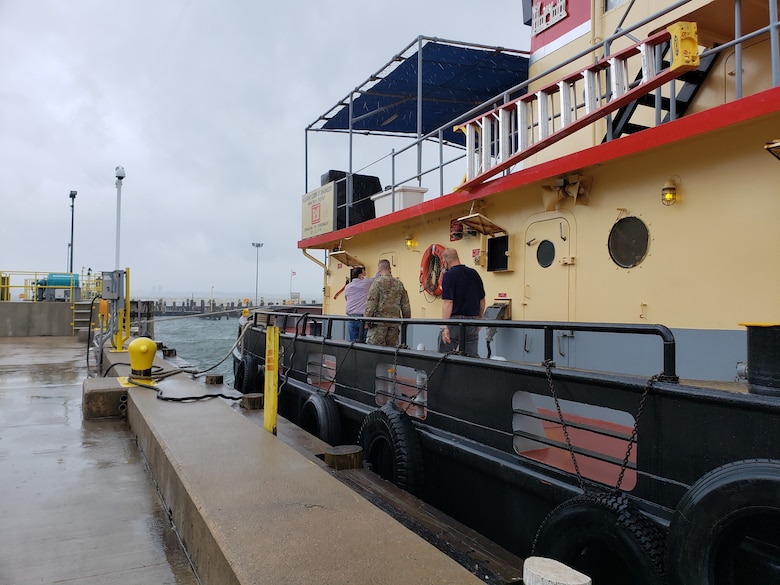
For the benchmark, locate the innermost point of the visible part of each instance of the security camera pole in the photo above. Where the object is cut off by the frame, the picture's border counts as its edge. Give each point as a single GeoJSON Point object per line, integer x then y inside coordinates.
{"type": "Point", "coordinates": [120, 174]}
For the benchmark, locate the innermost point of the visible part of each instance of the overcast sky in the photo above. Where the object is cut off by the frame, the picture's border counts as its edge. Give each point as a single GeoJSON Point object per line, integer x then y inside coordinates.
{"type": "Point", "coordinates": [204, 103]}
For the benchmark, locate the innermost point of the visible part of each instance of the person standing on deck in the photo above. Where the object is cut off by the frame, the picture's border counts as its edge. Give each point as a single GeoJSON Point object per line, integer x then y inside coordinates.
{"type": "Point", "coordinates": [387, 298]}
{"type": "Point", "coordinates": [463, 297]}
{"type": "Point", "coordinates": [356, 294]}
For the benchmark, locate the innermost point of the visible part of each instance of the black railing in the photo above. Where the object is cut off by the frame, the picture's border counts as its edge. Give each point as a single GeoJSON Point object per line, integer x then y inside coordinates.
{"type": "Point", "coordinates": [322, 326]}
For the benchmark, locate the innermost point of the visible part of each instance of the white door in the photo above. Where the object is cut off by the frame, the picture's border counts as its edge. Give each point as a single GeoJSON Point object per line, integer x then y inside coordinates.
{"type": "Point", "coordinates": [547, 265]}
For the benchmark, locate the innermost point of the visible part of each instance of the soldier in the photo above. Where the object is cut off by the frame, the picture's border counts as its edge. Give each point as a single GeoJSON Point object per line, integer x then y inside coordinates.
{"type": "Point", "coordinates": [387, 298]}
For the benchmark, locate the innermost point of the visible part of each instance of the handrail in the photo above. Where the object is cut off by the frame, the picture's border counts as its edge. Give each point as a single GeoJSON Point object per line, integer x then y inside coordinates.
{"type": "Point", "coordinates": [603, 46]}
{"type": "Point", "coordinates": [668, 373]}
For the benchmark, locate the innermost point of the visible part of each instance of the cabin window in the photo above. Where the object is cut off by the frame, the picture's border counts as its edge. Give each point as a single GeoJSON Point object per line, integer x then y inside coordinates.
{"type": "Point", "coordinates": [599, 437]}
{"type": "Point", "coordinates": [497, 259]}
{"type": "Point", "coordinates": [628, 242]}
{"type": "Point", "coordinates": [612, 4]}
{"type": "Point", "coordinates": [406, 387]}
{"type": "Point", "coordinates": [545, 253]}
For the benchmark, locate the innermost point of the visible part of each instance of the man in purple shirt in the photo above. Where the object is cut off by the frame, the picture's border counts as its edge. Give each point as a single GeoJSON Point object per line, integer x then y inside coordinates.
{"type": "Point", "coordinates": [356, 294]}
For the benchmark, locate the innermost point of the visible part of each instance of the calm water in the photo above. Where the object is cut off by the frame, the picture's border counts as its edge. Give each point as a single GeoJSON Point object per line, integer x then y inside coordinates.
{"type": "Point", "coordinates": [201, 342]}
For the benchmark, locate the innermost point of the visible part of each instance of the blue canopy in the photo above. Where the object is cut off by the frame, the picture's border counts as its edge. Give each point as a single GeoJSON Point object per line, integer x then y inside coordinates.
{"type": "Point", "coordinates": [456, 78]}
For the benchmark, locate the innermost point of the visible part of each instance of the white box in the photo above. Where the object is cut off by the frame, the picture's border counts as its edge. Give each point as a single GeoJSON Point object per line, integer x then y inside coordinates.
{"type": "Point", "coordinates": [405, 196]}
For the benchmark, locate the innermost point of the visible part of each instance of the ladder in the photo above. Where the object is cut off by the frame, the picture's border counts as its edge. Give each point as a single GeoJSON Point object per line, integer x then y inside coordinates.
{"type": "Point", "coordinates": [688, 86]}
{"type": "Point", "coordinates": [516, 130]}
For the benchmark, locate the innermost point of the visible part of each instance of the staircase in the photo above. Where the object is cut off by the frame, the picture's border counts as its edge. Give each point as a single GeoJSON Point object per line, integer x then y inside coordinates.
{"type": "Point", "coordinates": [82, 322]}
{"type": "Point", "coordinates": [689, 82]}
{"type": "Point", "coordinates": [516, 130]}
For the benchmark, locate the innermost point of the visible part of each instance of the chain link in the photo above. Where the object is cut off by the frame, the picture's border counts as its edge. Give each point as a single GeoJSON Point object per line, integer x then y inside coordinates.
{"type": "Point", "coordinates": [548, 368]}
{"type": "Point", "coordinates": [632, 439]}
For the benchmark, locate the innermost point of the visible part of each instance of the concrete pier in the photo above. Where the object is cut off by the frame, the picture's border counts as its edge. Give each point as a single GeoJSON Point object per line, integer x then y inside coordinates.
{"type": "Point", "coordinates": [79, 506]}
{"type": "Point", "coordinates": [76, 503]}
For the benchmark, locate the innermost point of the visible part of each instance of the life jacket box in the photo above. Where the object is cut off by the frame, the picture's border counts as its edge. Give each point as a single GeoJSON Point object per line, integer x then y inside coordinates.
{"type": "Point", "coordinates": [405, 196]}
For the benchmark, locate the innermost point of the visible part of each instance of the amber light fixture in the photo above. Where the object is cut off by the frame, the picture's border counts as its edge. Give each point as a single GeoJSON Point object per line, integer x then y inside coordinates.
{"type": "Point", "coordinates": [409, 242]}
{"type": "Point", "coordinates": [669, 193]}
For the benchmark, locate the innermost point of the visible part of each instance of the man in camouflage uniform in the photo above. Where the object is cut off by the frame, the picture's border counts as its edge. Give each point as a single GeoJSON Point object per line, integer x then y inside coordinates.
{"type": "Point", "coordinates": [387, 298]}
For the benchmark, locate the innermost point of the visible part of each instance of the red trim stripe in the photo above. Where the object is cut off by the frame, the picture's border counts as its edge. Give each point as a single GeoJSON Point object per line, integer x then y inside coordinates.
{"type": "Point", "coordinates": [746, 109]}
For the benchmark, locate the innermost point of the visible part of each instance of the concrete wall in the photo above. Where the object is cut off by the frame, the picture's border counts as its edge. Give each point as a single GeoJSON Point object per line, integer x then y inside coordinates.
{"type": "Point", "coordinates": [27, 319]}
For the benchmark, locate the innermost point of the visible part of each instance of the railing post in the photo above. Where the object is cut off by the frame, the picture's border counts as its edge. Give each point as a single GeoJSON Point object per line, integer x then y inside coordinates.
{"type": "Point", "coordinates": [548, 343]}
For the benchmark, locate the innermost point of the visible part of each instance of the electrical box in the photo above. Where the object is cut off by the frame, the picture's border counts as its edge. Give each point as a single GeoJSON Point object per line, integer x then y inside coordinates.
{"type": "Point", "coordinates": [112, 285]}
{"type": "Point", "coordinates": [500, 309]}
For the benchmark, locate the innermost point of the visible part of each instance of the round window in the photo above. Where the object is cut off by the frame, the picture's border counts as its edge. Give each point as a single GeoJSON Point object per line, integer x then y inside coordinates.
{"type": "Point", "coordinates": [545, 253]}
{"type": "Point", "coordinates": [628, 242]}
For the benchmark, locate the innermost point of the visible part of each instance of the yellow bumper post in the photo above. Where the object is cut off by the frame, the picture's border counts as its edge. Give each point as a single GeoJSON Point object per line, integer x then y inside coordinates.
{"type": "Point", "coordinates": [271, 378]}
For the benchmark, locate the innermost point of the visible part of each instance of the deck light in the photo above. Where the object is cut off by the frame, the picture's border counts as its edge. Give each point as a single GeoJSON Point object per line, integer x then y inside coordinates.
{"type": "Point", "coordinates": [409, 242]}
{"type": "Point", "coordinates": [669, 193]}
{"type": "Point", "coordinates": [773, 148]}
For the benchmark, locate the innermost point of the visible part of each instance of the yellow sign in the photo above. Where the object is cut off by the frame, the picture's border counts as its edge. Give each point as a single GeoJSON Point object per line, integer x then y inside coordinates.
{"type": "Point", "coordinates": [317, 213]}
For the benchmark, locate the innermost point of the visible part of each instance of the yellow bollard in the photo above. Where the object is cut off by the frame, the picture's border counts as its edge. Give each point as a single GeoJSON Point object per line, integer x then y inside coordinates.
{"type": "Point", "coordinates": [142, 351]}
{"type": "Point", "coordinates": [271, 378]}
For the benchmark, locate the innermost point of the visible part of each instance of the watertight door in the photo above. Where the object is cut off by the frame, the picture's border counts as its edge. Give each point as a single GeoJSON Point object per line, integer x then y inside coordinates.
{"type": "Point", "coordinates": [547, 265]}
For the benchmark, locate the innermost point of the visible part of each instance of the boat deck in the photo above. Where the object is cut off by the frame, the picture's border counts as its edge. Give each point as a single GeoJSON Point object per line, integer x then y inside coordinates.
{"type": "Point", "coordinates": [79, 505]}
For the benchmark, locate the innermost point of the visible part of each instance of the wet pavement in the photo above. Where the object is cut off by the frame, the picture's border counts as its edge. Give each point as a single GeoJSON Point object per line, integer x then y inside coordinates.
{"type": "Point", "coordinates": [77, 505]}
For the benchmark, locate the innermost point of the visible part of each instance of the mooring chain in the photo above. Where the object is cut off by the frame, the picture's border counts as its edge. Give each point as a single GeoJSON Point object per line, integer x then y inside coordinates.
{"type": "Point", "coordinates": [441, 361]}
{"type": "Point", "coordinates": [548, 368]}
{"type": "Point", "coordinates": [632, 439]}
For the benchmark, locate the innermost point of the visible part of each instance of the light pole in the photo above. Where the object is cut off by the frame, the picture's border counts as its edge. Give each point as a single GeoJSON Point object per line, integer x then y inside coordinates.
{"type": "Point", "coordinates": [120, 174]}
{"type": "Point", "coordinates": [257, 246]}
{"type": "Point", "coordinates": [72, 214]}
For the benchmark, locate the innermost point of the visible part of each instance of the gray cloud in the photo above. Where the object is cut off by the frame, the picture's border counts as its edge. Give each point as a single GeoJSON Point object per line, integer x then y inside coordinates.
{"type": "Point", "coordinates": [204, 104]}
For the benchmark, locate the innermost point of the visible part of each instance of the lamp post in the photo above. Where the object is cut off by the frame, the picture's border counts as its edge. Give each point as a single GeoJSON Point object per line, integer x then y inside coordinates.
{"type": "Point", "coordinates": [257, 246]}
{"type": "Point", "coordinates": [72, 215]}
{"type": "Point", "coordinates": [120, 174]}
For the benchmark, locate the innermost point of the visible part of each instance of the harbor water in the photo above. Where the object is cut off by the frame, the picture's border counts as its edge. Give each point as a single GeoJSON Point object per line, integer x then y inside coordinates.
{"type": "Point", "coordinates": [201, 342]}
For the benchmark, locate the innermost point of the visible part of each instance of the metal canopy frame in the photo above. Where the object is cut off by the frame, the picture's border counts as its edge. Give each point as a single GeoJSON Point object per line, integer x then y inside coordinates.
{"type": "Point", "coordinates": [422, 89]}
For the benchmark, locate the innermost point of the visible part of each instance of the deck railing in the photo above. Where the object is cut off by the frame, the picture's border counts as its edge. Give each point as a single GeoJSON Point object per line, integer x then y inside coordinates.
{"type": "Point", "coordinates": [438, 174]}
{"type": "Point", "coordinates": [303, 324]}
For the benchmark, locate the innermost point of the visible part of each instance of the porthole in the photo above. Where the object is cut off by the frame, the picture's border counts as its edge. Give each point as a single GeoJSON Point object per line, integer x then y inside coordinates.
{"type": "Point", "coordinates": [628, 242]}
{"type": "Point", "coordinates": [545, 253]}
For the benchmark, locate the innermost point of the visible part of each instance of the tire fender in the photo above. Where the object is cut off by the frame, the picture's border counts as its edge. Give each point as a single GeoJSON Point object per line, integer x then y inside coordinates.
{"type": "Point", "coordinates": [604, 537]}
{"type": "Point", "coordinates": [320, 417]}
{"type": "Point", "coordinates": [391, 448]}
{"type": "Point", "coordinates": [249, 376]}
{"type": "Point", "coordinates": [724, 507]}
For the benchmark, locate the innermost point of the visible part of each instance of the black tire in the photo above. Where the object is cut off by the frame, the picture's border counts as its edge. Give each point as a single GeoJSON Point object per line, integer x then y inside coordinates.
{"type": "Point", "coordinates": [249, 376]}
{"type": "Point", "coordinates": [391, 448]}
{"type": "Point", "coordinates": [602, 536]}
{"type": "Point", "coordinates": [239, 369]}
{"type": "Point", "coordinates": [725, 528]}
{"type": "Point", "coordinates": [320, 417]}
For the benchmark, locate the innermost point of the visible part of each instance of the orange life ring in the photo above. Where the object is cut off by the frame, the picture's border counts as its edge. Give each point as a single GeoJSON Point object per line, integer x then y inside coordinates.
{"type": "Point", "coordinates": [431, 271]}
